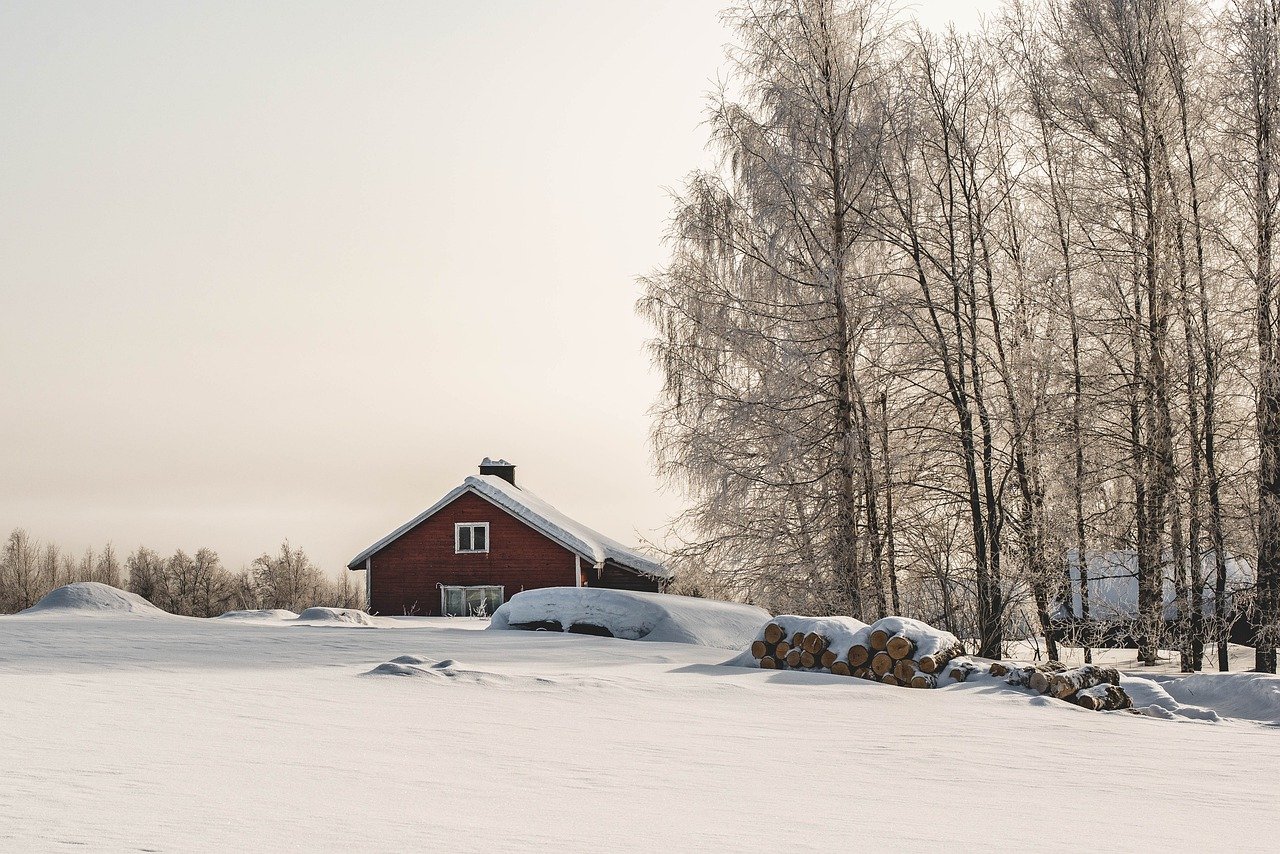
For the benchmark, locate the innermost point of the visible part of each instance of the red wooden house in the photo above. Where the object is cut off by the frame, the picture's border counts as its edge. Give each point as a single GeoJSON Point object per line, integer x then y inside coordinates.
{"type": "Point", "coordinates": [487, 540]}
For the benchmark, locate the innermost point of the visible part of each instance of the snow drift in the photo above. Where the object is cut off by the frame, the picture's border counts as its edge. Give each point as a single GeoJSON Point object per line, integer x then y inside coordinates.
{"type": "Point", "coordinates": [94, 599]}
{"type": "Point", "coordinates": [259, 614]}
{"type": "Point", "coordinates": [1249, 696]}
{"type": "Point", "coordinates": [349, 616]}
{"type": "Point", "coordinates": [660, 617]}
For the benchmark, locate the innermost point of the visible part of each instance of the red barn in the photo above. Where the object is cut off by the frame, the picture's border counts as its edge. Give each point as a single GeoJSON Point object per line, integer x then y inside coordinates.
{"type": "Point", "coordinates": [487, 540]}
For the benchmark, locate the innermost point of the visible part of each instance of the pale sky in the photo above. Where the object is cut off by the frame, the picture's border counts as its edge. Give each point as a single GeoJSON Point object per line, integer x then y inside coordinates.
{"type": "Point", "coordinates": [290, 270]}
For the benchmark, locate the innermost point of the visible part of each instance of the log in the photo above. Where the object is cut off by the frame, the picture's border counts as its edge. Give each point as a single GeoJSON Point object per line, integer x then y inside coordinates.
{"type": "Point", "coordinates": [814, 643]}
{"type": "Point", "coordinates": [960, 672]}
{"type": "Point", "coordinates": [774, 633]}
{"type": "Point", "coordinates": [793, 658]}
{"type": "Point", "coordinates": [781, 650]}
{"type": "Point", "coordinates": [859, 655]}
{"type": "Point", "coordinates": [797, 639]}
{"type": "Point", "coordinates": [863, 673]}
{"type": "Point", "coordinates": [808, 660]}
{"type": "Point", "coordinates": [829, 659]}
{"type": "Point", "coordinates": [900, 647]}
{"type": "Point", "coordinates": [998, 668]}
{"type": "Point", "coordinates": [905, 670]}
{"type": "Point", "coordinates": [1062, 685]}
{"type": "Point", "coordinates": [890, 679]}
{"type": "Point", "coordinates": [936, 661]}
{"type": "Point", "coordinates": [881, 664]}
{"type": "Point", "coordinates": [768, 663]}
{"type": "Point", "coordinates": [841, 668]}
{"type": "Point", "coordinates": [759, 649]}
{"type": "Point", "coordinates": [924, 680]}
{"type": "Point", "coordinates": [1039, 682]}
{"type": "Point", "coordinates": [878, 639]}
{"type": "Point", "coordinates": [1102, 698]}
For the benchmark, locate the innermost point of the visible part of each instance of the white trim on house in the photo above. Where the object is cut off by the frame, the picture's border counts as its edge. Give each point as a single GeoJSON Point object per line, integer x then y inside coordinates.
{"type": "Point", "coordinates": [473, 527]}
{"type": "Point", "coordinates": [584, 542]}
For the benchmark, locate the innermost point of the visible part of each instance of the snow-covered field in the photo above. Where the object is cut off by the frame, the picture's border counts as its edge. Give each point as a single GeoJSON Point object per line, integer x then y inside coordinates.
{"type": "Point", "coordinates": [143, 731]}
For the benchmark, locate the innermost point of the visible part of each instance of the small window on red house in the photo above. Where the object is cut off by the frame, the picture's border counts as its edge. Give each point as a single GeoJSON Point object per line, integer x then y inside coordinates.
{"type": "Point", "coordinates": [470, 537]}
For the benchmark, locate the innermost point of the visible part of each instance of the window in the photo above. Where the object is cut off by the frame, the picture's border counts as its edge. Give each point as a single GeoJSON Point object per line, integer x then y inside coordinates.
{"type": "Point", "coordinates": [470, 537]}
{"type": "Point", "coordinates": [474, 601]}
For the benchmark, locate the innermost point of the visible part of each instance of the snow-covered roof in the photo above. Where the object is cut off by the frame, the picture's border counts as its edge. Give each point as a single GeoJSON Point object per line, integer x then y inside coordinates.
{"type": "Point", "coordinates": [585, 542]}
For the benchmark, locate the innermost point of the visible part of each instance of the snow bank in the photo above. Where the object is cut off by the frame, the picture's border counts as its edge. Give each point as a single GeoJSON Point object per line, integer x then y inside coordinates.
{"type": "Point", "coordinates": [94, 599]}
{"type": "Point", "coordinates": [259, 614]}
{"type": "Point", "coordinates": [449, 670]}
{"type": "Point", "coordinates": [1250, 696]}
{"type": "Point", "coordinates": [349, 616]}
{"type": "Point", "coordinates": [1151, 699]}
{"type": "Point", "coordinates": [635, 616]}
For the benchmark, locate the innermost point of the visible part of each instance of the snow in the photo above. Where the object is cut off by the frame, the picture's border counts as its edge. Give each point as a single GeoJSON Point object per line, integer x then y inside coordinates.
{"type": "Point", "coordinates": [92, 598]}
{"type": "Point", "coordinates": [209, 735]}
{"type": "Point", "coordinates": [349, 616]}
{"type": "Point", "coordinates": [1247, 696]}
{"type": "Point", "coordinates": [587, 543]}
{"type": "Point", "coordinates": [655, 617]}
{"type": "Point", "coordinates": [259, 614]}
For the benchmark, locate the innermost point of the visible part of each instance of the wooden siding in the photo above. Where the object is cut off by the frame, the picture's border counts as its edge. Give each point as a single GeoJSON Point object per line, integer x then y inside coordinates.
{"type": "Point", "coordinates": [615, 577]}
{"type": "Point", "coordinates": [406, 572]}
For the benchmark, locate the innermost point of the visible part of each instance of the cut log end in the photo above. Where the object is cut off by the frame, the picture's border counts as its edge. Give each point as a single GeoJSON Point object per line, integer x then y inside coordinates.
{"type": "Point", "coordinates": [879, 640]}
{"type": "Point", "coordinates": [768, 663]}
{"type": "Point", "coordinates": [759, 649]}
{"type": "Point", "coordinates": [881, 664]}
{"type": "Point", "coordinates": [859, 655]}
{"type": "Point", "coordinates": [841, 668]}
{"type": "Point", "coordinates": [900, 647]}
{"type": "Point", "coordinates": [774, 633]}
{"type": "Point", "coordinates": [830, 659]}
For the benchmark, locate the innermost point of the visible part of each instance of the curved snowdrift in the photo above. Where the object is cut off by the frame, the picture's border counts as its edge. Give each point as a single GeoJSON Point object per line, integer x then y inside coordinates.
{"type": "Point", "coordinates": [1248, 696]}
{"type": "Point", "coordinates": [657, 617]}
{"type": "Point", "coordinates": [93, 599]}
{"type": "Point", "coordinates": [348, 616]}
{"type": "Point", "coordinates": [269, 614]}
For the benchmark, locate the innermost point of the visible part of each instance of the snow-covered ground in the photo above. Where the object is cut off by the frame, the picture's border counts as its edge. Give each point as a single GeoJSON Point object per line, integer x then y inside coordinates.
{"type": "Point", "coordinates": [142, 731]}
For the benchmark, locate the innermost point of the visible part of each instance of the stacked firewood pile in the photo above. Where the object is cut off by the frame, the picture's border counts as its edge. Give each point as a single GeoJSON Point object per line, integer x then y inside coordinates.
{"type": "Point", "coordinates": [893, 650]}
{"type": "Point", "coordinates": [899, 651]}
{"type": "Point", "coordinates": [1091, 686]}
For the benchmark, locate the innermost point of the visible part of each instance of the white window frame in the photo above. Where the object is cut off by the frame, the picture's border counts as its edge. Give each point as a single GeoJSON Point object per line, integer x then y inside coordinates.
{"type": "Point", "coordinates": [457, 538]}
{"type": "Point", "coordinates": [444, 588]}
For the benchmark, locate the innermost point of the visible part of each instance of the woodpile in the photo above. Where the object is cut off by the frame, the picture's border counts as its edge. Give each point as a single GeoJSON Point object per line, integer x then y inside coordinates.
{"type": "Point", "coordinates": [1090, 686]}
{"type": "Point", "coordinates": [909, 653]}
{"type": "Point", "coordinates": [894, 650]}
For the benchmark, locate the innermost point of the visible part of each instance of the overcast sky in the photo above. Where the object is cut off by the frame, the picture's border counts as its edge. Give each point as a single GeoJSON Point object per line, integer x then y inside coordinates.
{"type": "Point", "coordinates": [290, 270]}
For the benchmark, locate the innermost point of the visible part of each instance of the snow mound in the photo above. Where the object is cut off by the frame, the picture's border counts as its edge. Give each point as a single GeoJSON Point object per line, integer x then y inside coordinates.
{"type": "Point", "coordinates": [448, 670]}
{"type": "Point", "coordinates": [660, 617]}
{"type": "Point", "coordinates": [92, 598]}
{"type": "Point", "coordinates": [1248, 696]}
{"type": "Point", "coordinates": [347, 616]}
{"type": "Point", "coordinates": [259, 614]}
{"type": "Point", "coordinates": [1151, 699]}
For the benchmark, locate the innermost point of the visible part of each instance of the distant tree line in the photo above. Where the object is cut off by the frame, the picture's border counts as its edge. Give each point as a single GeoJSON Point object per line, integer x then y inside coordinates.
{"type": "Point", "coordinates": [952, 307]}
{"type": "Point", "coordinates": [194, 585]}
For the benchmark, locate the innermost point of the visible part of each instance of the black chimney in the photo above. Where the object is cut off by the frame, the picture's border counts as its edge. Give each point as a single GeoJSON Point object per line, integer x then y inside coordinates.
{"type": "Point", "coordinates": [499, 468]}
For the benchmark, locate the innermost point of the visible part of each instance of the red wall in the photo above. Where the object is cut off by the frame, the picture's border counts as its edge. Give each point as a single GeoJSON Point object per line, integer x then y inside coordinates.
{"type": "Point", "coordinates": [405, 573]}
